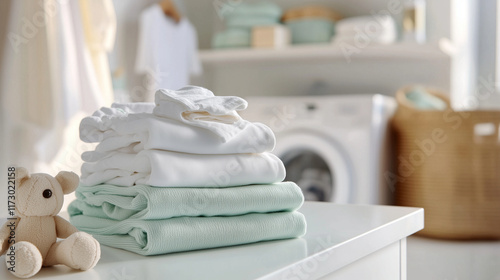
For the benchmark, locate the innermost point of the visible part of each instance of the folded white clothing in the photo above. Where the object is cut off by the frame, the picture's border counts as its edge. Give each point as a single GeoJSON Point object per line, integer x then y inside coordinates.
{"type": "Point", "coordinates": [197, 106]}
{"type": "Point", "coordinates": [132, 126]}
{"type": "Point", "coordinates": [172, 169]}
{"type": "Point", "coordinates": [362, 23]}
{"type": "Point", "coordinates": [97, 127]}
{"type": "Point", "coordinates": [135, 107]}
{"type": "Point", "coordinates": [379, 29]}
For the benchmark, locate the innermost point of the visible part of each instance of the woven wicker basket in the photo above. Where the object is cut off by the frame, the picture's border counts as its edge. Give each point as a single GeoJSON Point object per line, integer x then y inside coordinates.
{"type": "Point", "coordinates": [448, 162]}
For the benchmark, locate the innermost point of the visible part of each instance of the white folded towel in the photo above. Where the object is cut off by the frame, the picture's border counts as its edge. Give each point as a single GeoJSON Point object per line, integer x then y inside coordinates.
{"type": "Point", "coordinates": [189, 138]}
{"type": "Point", "coordinates": [132, 126]}
{"type": "Point", "coordinates": [197, 106]}
{"type": "Point", "coordinates": [380, 29]}
{"type": "Point", "coordinates": [171, 169]}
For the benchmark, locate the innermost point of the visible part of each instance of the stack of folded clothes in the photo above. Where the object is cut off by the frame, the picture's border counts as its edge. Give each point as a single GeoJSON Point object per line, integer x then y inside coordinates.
{"type": "Point", "coordinates": [182, 174]}
{"type": "Point", "coordinates": [240, 18]}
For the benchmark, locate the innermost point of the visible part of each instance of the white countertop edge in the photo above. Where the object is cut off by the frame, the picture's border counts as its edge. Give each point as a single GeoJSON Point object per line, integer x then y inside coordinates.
{"type": "Point", "coordinates": [340, 255]}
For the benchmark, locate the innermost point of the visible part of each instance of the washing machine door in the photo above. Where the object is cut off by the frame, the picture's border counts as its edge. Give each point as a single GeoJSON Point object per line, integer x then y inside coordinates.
{"type": "Point", "coordinates": [317, 164]}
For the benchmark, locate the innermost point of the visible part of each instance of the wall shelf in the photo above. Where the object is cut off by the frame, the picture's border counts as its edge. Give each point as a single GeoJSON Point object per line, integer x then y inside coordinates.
{"type": "Point", "coordinates": [312, 53]}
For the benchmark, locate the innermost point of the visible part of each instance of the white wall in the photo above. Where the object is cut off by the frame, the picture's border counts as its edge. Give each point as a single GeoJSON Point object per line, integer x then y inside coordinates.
{"type": "Point", "coordinates": [488, 38]}
{"type": "Point", "coordinates": [124, 52]}
{"type": "Point", "coordinates": [463, 36]}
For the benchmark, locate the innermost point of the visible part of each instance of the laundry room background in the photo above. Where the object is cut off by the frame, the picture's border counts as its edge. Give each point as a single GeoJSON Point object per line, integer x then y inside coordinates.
{"type": "Point", "coordinates": [440, 61]}
{"type": "Point", "coordinates": [334, 146]}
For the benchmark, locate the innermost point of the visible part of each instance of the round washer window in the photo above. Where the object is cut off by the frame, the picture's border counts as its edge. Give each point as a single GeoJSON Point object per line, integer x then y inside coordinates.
{"type": "Point", "coordinates": [310, 171]}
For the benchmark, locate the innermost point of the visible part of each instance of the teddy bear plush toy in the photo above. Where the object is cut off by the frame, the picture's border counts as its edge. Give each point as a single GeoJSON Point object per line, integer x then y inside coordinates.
{"type": "Point", "coordinates": [39, 198]}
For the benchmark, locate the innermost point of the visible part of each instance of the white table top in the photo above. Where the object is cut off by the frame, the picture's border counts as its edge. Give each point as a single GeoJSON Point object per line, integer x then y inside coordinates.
{"type": "Point", "coordinates": [336, 236]}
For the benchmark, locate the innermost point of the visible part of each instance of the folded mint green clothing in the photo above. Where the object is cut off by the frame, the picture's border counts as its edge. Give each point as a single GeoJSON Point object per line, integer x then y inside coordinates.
{"type": "Point", "coordinates": [153, 237]}
{"type": "Point", "coordinates": [232, 38]}
{"type": "Point", "coordinates": [146, 202]}
{"type": "Point", "coordinates": [310, 30]}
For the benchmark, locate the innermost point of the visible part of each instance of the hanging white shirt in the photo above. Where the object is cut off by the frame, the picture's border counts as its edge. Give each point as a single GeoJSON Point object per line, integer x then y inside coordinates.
{"type": "Point", "coordinates": [166, 50]}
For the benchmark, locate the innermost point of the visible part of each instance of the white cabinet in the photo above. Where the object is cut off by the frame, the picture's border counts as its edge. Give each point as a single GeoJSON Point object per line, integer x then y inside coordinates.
{"type": "Point", "coordinates": [388, 263]}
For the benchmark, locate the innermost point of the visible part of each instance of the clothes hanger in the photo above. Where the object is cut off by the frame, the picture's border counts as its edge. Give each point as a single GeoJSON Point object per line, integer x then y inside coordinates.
{"type": "Point", "coordinates": [170, 10]}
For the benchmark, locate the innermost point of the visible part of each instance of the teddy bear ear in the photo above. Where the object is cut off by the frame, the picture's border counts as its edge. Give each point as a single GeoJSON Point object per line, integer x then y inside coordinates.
{"type": "Point", "coordinates": [22, 174]}
{"type": "Point", "coordinates": [68, 180]}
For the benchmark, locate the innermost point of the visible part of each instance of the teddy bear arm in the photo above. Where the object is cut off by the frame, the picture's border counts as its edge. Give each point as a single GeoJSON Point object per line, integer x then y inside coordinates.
{"type": "Point", "coordinates": [64, 228]}
{"type": "Point", "coordinates": [5, 233]}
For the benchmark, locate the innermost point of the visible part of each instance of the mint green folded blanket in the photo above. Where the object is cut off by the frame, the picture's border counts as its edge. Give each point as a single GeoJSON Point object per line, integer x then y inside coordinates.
{"type": "Point", "coordinates": [146, 202]}
{"type": "Point", "coordinates": [232, 38]}
{"type": "Point", "coordinates": [153, 237]}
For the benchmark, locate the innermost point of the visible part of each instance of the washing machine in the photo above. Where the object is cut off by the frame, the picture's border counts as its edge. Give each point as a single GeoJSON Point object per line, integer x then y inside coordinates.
{"type": "Point", "coordinates": [336, 148]}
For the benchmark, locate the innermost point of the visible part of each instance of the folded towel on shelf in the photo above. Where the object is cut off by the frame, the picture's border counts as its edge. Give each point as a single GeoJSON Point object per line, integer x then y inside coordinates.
{"type": "Point", "coordinates": [146, 202]}
{"type": "Point", "coordinates": [153, 237]}
{"type": "Point", "coordinates": [134, 124]}
{"type": "Point", "coordinates": [172, 169]}
{"type": "Point", "coordinates": [362, 23]}
{"type": "Point", "coordinates": [232, 38]}
{"type": "Point", "coordinates": [380, 29]}
{"type": "Point", "coordinates": [197, 106]}
{"type": "Point", "coordinates": [310, 30]}
{"type": "Point", "coordinates": [240, 19]}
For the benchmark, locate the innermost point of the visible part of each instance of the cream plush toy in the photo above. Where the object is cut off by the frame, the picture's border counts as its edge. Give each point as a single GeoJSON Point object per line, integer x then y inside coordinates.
{"type": "Point", "coordinates": [39, 199]}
